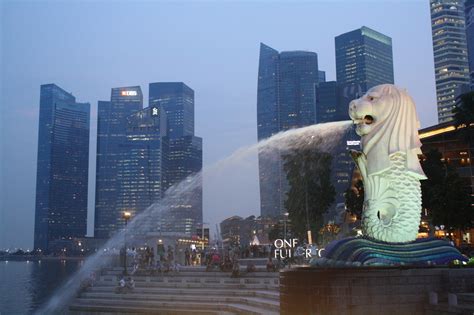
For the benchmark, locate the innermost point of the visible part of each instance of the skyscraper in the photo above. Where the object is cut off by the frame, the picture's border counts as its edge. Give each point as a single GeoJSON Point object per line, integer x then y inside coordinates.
{"type": "Point", "coordinates": [184, 155]}
{"type": "Point", "coordinates": [469, 10]}
{"type": "Point", "coordinates": [450, 54]}
{"type": "Point", "coordinates": [62, 167]}
{"type": "Point", "coordinates": [111, 135]}
{"type": "Point", "coordinates": [363, 58]}
{"type": "Point", "coordinates": [141, 162]}
{"type": "Point", "coordinates": [331, 106]}
{"type": "Point", "coordinates": [177, 100]}
{"type": "Point", "coordinates": [286, 99]}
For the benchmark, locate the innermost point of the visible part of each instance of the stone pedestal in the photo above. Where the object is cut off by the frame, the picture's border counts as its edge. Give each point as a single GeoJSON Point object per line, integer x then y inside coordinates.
{"type": "Point", "coordinates": [367, 291]}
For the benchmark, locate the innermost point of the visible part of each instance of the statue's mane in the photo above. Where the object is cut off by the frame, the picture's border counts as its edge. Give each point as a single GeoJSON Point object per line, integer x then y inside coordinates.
{"type": "Point", "coordinates": [398, 132]}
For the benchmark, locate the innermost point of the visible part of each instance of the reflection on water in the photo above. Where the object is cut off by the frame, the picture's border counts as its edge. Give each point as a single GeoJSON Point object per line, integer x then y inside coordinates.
{"type": "Point", "coordinates": [25, 285]}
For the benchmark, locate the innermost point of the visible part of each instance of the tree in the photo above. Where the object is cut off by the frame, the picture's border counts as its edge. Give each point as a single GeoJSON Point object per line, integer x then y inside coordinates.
{"type": "Point", "coordinates": [355, 199]}
{"type": "Point", "coordinates": [445, 194]}
{"type": "Point", "coordinates": [277, 232]}
{"type": "Point", "coordinates": [464, 111]}
{"type": "Point", "coordinates": [311, 192]}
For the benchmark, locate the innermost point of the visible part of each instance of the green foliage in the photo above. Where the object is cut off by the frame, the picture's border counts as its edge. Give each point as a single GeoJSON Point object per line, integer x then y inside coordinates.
{"type": "Point", "coordinates": [311, 192]}
{"type": "Point", "coordinates": [355, 199]}
{"type": "Point", "coordinates": [464, 112]}
{"type": "Point", "coordinates": [445, 194]}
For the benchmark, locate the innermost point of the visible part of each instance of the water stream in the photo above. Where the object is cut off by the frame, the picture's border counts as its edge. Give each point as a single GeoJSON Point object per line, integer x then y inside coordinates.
{"type": "Point", "coordinates": [324, 137]}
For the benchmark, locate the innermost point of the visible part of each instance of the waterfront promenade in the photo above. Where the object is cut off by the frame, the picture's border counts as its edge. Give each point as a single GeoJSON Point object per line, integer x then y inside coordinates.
{"type": "Point", "coordinates": [192, 290]}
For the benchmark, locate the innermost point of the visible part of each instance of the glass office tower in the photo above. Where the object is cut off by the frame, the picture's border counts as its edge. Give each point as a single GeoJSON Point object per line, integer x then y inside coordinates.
{"type": "Point", "coordinates": [469, 10]}
{"type": "Point", "coordinates": [111, 135]}
{"type": "Point", "coordinates": [184, 155]}
{"type": "Point", "coordinates": [364, 58]}
{"type": "Point", "coordinates": [450, 54]}
{"type": "Point", "coordinates": [62, 167]}
{"type": "Point", "coordinates": [141, 163]}
{"type": "Point", "coordinates": [286, 99]}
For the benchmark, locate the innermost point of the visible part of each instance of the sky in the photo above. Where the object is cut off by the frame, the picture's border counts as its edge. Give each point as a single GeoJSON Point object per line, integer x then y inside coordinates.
{"type": "Point", "coordinates": [88, 47]}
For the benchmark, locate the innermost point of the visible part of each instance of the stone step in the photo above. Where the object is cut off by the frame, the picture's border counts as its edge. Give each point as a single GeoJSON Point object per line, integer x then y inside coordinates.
{"type": "Point", "coordinates": [446, 309]}
{"type": "Point", "coordinates": [186, 273]}
{"type": "Point", "coordinates": [203, 280]}
{"type": "Point", "coordinates": [187, 277]}
{"type": "Point", "coordinates": [79, 309]}
{"type": "Point", "coordinates": [220, 286]}
{"type": "Point", "coordinates": [465, 298]}
{"type": "Point", "coordinates": [117, 304]}
{"type": "Point", "coordinates": [272, 295]}
{"type": "Point", "coordinates": [133, 297]}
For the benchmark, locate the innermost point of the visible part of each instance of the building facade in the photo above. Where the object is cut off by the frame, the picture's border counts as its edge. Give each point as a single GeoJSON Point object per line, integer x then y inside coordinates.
{"type": "Point", "coordinates": [286, 99]}
{"type": "Point", "coordinates": [141, 163]}
{"type": "Point", "coordinates": [111, 135]}
{"type": "Point", "coordinates": [364, 58]}
{"type": "Point", "coordinates": [331, 106]}
{"type": "Point", "coordinates": [450, 54]}
{"type": "Point", "coordinates": [177, 100]}
{"type": "Point", "coordinates": [469, 10]}
{"type": "Point", "coordinates": [62, 167]}
{"type": "Point", "coordinates": [456, 145]}
{"type": "Point", "coordinates": [184, 155]}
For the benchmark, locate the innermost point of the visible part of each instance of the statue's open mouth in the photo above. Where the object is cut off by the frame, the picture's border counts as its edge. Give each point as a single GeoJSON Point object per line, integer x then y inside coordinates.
{"type": "Point", "coordinates": [368, 119]}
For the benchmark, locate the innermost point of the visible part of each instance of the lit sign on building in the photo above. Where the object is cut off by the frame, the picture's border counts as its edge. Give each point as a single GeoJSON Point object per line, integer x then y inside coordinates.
{"type": "Point", "coordinates": [154, 111]}
{"type": "Point", "coordinates": [353, 142]}
{"type": "Point", "coordinates": [285, 249]}
{"type": "Point", "coordinates": [129, 93]}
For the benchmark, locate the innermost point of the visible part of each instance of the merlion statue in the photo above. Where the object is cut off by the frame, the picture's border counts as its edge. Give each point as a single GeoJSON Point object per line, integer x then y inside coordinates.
{"type": "Point", "coordinates": [386, 119]}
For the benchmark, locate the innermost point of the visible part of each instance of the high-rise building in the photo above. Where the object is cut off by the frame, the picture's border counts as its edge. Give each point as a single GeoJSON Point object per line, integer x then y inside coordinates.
{"type": "Point", "coordinates": [62, 167]}
{"type": "Point", "coordinates": [328, 107]}
{"type": "Point", "coordinates": [321, 76]}
{"type": "Point", "coordinates": [469, 10]}
{"type": "Point", "coordinates": [450, 54]}
{"type": "Point", "coordinates": [364, 58]}
{"type": "Point", "coordinates": [142, 161]}
{"type": "Point", "coordinates": [177, 100]}
{"type": "Point", "coordinates": [331, 106]}
{"type": "Point", "coordinates": [184, 155]}
{"type": "Point", "coordinates": [111, 135]}
{"type": "Point", "coordinates": [286, 99]}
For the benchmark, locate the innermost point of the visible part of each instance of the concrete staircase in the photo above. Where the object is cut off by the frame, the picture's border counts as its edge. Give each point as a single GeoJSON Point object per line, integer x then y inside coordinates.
{"type": "Point", "coordinates": [190, 291]}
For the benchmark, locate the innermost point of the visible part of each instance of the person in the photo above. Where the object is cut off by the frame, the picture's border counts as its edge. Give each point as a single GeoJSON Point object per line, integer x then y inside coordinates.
{"type": "Point", "coordinates": [226, 264]}
{"type": "Point", "coordinates": [251, 267]}
{"type": "Point", "coordinates": [130, 284]}
{"type": "Point", "coordinates": [235, 269]}
{"type": "Point", "coordinates": [152, 257]}
{"type": "Point", "coordinates": [193, 257]}
{"type": "Point", "coordinates": [270, 265]}
{"type": "Point", "coordinates": [187, 256]}
{"type": "Point", "coordinates": [158, 267]}
{"type": "Point", "coordinates": [121, 286]}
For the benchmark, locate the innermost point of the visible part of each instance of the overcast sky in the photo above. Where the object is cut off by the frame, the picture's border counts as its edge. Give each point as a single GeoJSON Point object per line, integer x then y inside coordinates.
{"type": "Point", "coordinates": [88, 47]}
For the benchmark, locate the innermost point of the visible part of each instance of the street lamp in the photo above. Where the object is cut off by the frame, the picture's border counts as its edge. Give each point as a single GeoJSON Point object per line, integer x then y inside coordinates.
{"type": "Point", "coordinates": [126, 215]}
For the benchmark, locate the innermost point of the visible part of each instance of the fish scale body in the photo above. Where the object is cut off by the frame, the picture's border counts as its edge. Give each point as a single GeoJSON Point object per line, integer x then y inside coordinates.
{"type": "Point", "coordinates": [392, 205]}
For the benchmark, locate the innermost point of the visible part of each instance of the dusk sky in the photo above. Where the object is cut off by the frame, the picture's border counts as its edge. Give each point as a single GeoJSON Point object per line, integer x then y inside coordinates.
{"type": "Point", "coordinates": [88, 47]}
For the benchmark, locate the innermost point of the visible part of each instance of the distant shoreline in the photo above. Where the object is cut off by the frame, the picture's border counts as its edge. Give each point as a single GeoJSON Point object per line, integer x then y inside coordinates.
{"type": "Point", "coordinates": [36, 258]}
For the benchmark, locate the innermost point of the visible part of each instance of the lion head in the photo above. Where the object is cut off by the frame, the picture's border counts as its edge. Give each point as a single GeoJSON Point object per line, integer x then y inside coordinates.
{"type": "Point", "coordinates": [386, 119]}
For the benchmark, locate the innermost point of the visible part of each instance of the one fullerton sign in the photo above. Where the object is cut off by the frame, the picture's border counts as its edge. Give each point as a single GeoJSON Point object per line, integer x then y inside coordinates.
{"type": "Point", "coordinates": [286, 249]}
